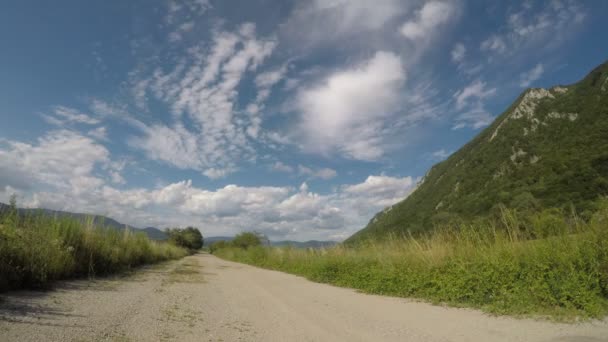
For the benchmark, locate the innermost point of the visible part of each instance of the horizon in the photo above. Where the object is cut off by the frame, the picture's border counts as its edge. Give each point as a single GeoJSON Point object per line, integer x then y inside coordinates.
{"type": "Point", "coordinates": [300, 120]}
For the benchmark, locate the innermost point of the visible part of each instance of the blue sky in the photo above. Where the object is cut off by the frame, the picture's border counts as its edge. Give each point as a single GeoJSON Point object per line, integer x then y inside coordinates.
{"type": "Point", "coordinates": [298, 119]}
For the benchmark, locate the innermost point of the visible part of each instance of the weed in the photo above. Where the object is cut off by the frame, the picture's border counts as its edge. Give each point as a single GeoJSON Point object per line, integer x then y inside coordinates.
{"type": "Point", "coordinates": [557, 269]}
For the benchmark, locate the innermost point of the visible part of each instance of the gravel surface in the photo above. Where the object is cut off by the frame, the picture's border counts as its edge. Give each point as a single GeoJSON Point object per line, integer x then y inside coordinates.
{"type": "Point", "coordinates": [203, 298]}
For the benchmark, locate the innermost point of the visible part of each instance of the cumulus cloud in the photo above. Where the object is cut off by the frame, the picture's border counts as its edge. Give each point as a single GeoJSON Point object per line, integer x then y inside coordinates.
{"type": "Point", "coordinates": [64, 170]}
{"type": "Point", "coordinates": [60, 159]}
{"type": "Point", "coordinates": [345, 113]}
{"type": "Point", "coordinates": [530, 76]}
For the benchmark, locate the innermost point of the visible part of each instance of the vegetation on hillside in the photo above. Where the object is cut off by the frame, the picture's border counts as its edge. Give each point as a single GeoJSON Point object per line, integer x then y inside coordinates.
{"type": "Point", "coordinates": [551, 264]}
{"type": "Point", "coordinates": [548, 150]}
{"type": "Point", "coordinates": [38, 249]}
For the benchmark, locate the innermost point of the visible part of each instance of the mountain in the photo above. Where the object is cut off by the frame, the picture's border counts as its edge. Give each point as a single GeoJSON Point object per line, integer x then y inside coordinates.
{"type": "Point", "coordinates": [155, 233]}
{"type": "Point", "coordinates": [98, 220]}
{"type": "Point", "coordinates": [210, 240]}
{"type": "Point", "coordinates": [548, 149]}
{"type": "Point", "coordinates": [306, 244]}
{"type": "Point", "coordinates": [284, 243]}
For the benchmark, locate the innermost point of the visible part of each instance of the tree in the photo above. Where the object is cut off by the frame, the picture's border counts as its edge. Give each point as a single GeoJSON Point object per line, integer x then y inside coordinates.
{"type": "Point", "coordinates": [247, 239]}
{"type": "Point", "coordinates": [189, 237]}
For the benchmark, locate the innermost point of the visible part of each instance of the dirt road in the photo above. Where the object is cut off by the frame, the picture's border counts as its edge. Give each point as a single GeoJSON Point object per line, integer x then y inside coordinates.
{"type": "Point", "coordinates": [203, 298]}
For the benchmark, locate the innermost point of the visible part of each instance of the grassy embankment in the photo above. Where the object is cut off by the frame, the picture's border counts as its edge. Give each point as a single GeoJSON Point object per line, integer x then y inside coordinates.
{"type": "Point", "coordinates": [38, 249]}
{"type": "Point", "coordinates": [545, 265]}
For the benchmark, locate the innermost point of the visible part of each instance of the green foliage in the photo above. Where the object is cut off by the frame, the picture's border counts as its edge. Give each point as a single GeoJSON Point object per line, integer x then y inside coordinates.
{"type": "Point", "coordinates": [246, 240]}
{"type": "Point", "coordinates": [500, 266]}
{"type": "Point", "coordinates": [218, 245]}
{"type": "Point", "coordinates": [38, 249]}
{"type": "Point", "coordinates": [243, 240]}
{"type": "Point", "coordinates": [190, 237]}
{"type": "Point", "coordinates": [563, 163]}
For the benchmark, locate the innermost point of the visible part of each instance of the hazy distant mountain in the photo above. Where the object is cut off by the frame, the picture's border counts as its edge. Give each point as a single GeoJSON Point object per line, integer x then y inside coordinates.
{"type": "Point", "coordinates": [306, 244]}
{"type": "Point", "coordinates": [210, 240]}
{"type": "Point", "coordinates": [285, 243]}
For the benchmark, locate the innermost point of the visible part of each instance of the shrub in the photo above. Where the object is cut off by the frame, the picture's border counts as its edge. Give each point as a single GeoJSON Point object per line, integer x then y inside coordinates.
{"type": "Point", "coordinates": [246, 240]}
{"type": "Point", "coordinates": [190, 238]}
{"type": "Point", "coordinates": [218, 245]}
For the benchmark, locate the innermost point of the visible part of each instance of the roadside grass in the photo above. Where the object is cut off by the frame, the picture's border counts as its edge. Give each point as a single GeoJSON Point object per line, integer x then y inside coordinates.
{"type": "Point", "coordinates": [36, 250]}
{"type": "Point", "coordinates": [548, 266]}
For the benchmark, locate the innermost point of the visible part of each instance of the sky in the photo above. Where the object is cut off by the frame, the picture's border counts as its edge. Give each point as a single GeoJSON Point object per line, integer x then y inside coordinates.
{"type": "Point", "coordinates": [296, 119]}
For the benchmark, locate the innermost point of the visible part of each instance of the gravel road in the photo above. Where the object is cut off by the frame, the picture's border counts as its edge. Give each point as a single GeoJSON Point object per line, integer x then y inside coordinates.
{"type": "Point", "coordinates": [203, 298]}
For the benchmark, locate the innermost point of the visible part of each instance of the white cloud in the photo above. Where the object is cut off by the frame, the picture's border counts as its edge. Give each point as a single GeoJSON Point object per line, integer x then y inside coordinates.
{"type": "Point", "coordinates": [494, 43]}
{"type": "Point", "coordinates": [345, 113]}
{"type": "Point", "coordinates": [536, 28]}
{"type": "Point", "coordinates": [205, 88]}
{"type": "Point", "coordinates": [375, 193]}
{"type": "Point", "coordinates": [282, 167]}
{"type": "Point", "coordinates": [185, 8]}
{"type": "Point", "coordinates": [318, 22]}
{"type": "Point", "coordinates": [440, 154]}
{"type": "Point", "coordinates": [270, 78]}
{"type": "Point", "coordinates": [214, 173]}
{"type": "Point", "coordinates": [458, 53]}
{"type": "Point", "coordinates": [60, 159]}
{"type": "Point", "coordinates": [66, 115]}
{"type": "Point", "coordinates": [530, 76]}
{"type": "Point", "coordinates": [67, 171]}
{"type": "Point", "coordinates": [476, 90]}
{"type": "Point", "coordinates": [175, 145]}
{"type": "Point", "coordinates": [432, 15]}
{"type": "Point", "coordinates": [280, 212]}
{"type": "Point", "coordinates": [475, 117]}
{"type": "Point", "coordinates": [323, 173]}
{"type": "Point", "coordinates": [470, 100]}
{"type": "Point", "coordinates": [99, 133]}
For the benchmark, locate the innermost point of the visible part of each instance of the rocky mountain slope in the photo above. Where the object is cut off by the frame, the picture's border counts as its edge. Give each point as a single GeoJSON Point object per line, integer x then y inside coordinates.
{"type": "Point", "coordinates": [549, 149]}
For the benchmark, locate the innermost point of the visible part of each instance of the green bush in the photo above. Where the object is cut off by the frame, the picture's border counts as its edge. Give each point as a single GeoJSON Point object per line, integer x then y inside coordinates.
{"type": "Point", "coordinates": [190, 238]}
{"type": "Point", "coordinates": [246, 240]}
{"type": "Point", "coordinates": [218, 245]}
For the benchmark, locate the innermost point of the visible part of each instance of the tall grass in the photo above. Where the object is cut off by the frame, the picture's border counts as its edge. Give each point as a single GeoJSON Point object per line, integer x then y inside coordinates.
{"type": "Point", "coordinates": [38, 249]}
{"type": "Point", "coordinates": [546, 265]}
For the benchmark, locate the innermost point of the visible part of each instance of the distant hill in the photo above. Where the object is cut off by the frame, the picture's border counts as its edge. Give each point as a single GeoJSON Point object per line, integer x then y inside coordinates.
{"type": "Point", "coordinates": [285, 243]}
{"type": "Point", "coordinates": [306, 244]}
{"type": "Point", "coordinates": [210, 240]}
{"type": "Point", "coordinates": [549, 149]}
{"type": "Point", "coordinates": [98, 220]}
